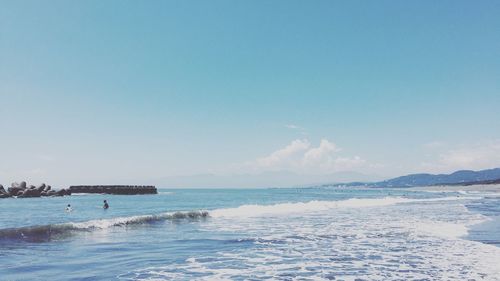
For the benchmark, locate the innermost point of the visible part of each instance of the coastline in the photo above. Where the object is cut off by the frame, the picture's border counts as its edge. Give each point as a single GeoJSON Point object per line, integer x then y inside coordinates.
{"type": "Point", "coordinates": [492, 188]}
{"type": "Point", "coordinates": [487, 232]}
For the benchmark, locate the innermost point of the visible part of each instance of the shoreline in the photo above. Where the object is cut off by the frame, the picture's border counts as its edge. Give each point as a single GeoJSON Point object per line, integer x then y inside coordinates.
{"type": "Point", "coordinates": [486, 232]}
{"type": "Point", "coordinates": [493, 188]}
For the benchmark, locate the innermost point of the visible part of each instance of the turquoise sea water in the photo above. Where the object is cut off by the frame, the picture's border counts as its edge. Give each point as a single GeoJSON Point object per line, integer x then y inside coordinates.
{"type": "Point", "coordinates": [257, 234]}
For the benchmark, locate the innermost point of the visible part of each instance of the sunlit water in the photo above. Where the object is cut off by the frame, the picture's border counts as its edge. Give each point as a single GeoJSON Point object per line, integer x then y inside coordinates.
{"type": "Point", "coordinates": [260, 234]}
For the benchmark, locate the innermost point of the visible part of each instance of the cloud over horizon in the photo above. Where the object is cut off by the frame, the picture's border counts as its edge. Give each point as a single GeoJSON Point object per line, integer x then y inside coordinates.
{"type": "Point", "coordinates": [301, 157]}
{"type": "Point", "coordinates": [476, 156]}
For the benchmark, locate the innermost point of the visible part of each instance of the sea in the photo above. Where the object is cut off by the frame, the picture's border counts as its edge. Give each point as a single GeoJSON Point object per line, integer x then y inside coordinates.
{"type": "Point", "coordinates": [317, 233]}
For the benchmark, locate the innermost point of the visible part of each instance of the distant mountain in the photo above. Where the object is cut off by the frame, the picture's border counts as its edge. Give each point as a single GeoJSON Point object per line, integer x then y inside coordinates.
{"type": "Point", "coordinates": [497, 181]}
{"type": "Point", "coordinates": [465, 177]}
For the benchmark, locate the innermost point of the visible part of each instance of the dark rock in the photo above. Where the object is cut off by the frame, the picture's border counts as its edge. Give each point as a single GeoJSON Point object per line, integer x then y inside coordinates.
{"type": "Point", "coordinates": [30, 193]}
{"type": "Point", "coordinates": [14, 191]}
{"type": "Point", "coordinates": [3, 192]}
{"type": "Point", "coordinates": [36, 193]}
{"type": "Point", "coordinates": [114, 189]}
{"type": "Point", "coordinates": [20, 190]}
{"type": "Point", "coordinates": [63, 192]}
{"type": "Point", "coordinates": [60, 192]}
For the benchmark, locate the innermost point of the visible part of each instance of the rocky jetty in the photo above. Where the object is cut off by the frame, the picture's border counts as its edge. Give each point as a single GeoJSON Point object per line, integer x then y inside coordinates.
{"type": "Point", "coordinates": [114, 189]}
{"type": "Point", "coordinates": [22, 190]}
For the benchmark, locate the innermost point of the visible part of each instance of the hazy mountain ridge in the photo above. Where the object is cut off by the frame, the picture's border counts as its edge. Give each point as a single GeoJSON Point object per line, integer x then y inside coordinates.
{"type": "Point", "coordinates": [466, 177]}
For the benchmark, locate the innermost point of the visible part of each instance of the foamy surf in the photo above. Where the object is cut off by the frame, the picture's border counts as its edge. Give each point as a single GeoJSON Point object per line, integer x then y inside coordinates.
{"type": "Point", "coordinates": [452, 229]}
{"type": "Point", "coordinates": [47, 232]}
{"type": "Point", "coordinates": [388, 238]}
{"type": "Point", "coordinates": [317, 205]}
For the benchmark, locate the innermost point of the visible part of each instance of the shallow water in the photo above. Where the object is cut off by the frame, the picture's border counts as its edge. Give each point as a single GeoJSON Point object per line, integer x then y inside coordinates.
{"type": "Point", "coordinates": [258, 234]}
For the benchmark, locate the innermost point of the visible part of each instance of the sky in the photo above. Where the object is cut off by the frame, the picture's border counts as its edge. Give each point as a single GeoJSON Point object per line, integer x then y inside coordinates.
{"type": "Point", "coordinates": [246, 93]}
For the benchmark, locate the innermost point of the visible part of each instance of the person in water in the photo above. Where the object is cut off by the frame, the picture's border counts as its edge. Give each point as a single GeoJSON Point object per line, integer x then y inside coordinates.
{"type": "Point", "coordinates": [105, 205]}
{"type": "Point", "coordinates": [68, 208]}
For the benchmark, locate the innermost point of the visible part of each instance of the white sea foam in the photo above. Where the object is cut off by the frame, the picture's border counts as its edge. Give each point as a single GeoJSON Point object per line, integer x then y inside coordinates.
{"type": "Point", "coordinates": [298, 209]}
{"type": "Point", "coordinates": [366, 239]}
{"type": "Point", "coordinates": [313, 206]}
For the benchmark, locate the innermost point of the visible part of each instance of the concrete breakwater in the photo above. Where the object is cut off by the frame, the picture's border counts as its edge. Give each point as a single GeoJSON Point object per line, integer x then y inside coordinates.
{"type": "Point", "coordinates": [114, 189]}
{"type": "Point", "coordinates": [22, 190]}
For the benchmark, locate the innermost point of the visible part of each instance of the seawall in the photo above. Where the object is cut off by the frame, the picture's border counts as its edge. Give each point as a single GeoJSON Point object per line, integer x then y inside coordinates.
{"type": "Point", "coordinates": [114, 189]}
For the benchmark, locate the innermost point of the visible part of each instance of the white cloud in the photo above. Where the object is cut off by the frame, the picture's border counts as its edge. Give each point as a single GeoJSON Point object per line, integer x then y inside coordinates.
{"type": "Point", "coordinates": [293, 127]}
{"type": "Point", "coordinates": [284, 157]}
{"type": "Point", "coordinates": [476, 156]}
{"type": "Point", "coordinates": [321, 157]}
{"type": "Point", "coordinates": [300, 157]}
{"type": "Point", "coordinates": [297, 128]}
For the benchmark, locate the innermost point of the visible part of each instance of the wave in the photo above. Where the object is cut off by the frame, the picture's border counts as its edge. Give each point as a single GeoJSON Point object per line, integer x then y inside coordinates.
{"type": "Point", "coordinates": [48, 232]}
{"type": "Point", "coordinates": [52, 231]}
{"type": "Point", "coordinates": [317, 205]}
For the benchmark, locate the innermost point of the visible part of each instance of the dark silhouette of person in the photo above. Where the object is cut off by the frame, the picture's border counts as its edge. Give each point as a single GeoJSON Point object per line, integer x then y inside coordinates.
{"type": "Point", "coordinates": [68, 208]}
{"type": "Point", "coordinates": [106, 206]}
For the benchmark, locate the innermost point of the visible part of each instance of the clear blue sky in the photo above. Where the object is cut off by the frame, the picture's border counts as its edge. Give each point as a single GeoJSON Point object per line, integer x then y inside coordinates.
{"type": "Point", "coordinates": [106, 91]}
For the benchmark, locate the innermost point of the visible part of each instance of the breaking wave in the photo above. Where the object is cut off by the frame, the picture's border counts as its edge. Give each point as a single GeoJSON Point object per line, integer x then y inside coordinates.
{"type": "Point", "coordinates": [356, 239]}
{"type": "Point", "coordinates": [47, 232]}
{"type": "Point", "coordinates": [316, 205]}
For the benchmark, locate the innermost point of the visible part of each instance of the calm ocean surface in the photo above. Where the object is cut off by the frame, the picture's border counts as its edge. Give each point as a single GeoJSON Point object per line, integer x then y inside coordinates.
{"type": "Point", "coordinates": [257, 234]}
